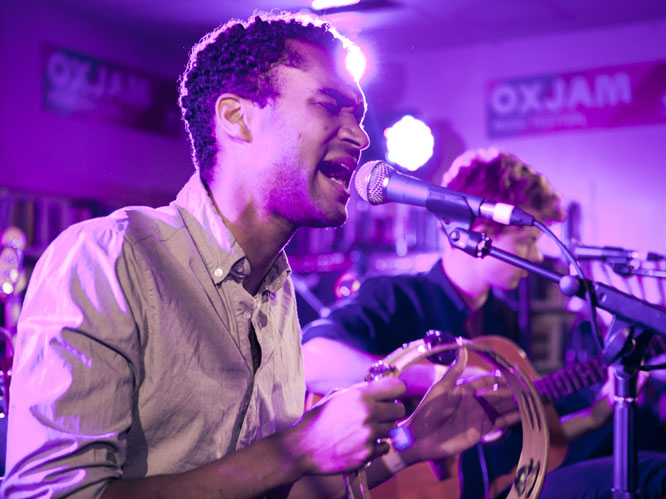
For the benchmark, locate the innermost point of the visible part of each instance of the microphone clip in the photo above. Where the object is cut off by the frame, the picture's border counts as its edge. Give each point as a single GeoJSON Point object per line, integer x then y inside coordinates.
{"type": "Point", "coordinates": [473, 243]}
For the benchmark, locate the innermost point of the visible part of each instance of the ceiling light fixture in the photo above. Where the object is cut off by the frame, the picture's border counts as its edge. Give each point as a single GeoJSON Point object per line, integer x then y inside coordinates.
{"type": "Point", "coordinates": [332, 4]}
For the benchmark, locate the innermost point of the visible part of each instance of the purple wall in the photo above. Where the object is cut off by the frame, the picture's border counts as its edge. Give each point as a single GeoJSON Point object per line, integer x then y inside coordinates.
{"type": "Point", "coordinates": [617, 174]}
{"type": "Point", "coordinates": [45, 152]}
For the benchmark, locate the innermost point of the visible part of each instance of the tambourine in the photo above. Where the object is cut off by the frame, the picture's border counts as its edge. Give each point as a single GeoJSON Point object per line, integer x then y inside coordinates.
{"type": "Point", "coordinates": [533, 462]}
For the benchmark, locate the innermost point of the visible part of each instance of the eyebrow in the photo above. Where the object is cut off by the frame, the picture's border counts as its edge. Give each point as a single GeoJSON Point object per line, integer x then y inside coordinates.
{"type": "Point", "coordinates": [346, 101]}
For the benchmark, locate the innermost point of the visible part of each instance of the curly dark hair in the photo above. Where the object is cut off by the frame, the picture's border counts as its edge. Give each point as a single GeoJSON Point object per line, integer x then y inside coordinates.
{"type": "Point", "coordinates": [239, 57]}
{"type": "Point", "coordinates": [501, 177]}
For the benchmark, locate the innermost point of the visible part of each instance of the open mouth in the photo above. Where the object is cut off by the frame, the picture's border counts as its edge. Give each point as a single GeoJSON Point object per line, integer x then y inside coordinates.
{"type": "Point", "coordinates": [337, 172]}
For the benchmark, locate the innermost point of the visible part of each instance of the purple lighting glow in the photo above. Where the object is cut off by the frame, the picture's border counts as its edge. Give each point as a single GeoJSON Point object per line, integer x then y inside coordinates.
{"type": "Point", "coordinates": [355, 62]}
{"type": "Point", "coordinates": [409, 143]}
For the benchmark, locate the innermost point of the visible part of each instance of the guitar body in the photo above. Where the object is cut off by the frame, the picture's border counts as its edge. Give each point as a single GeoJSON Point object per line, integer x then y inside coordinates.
{"type": "Point", "coordinates": [498, 450]}
{"type": "Point", "coordinates": [454, 477]}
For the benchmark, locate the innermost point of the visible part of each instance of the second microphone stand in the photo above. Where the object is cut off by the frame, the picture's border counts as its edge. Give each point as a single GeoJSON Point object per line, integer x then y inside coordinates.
{"type": "Point", "coordinates": [625, 343]}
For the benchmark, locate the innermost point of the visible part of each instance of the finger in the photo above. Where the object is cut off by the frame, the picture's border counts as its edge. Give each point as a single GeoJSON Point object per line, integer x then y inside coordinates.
{"type": "Point", "coordinates": [501, 402]}
{"type": "Point", "coordinates": [445, 384]}
{"type": "Point", "coordinates": [461, 359]}
{"type": "Point", "coordinates": [388, 411]}
{"type": "Point", "coordinates": [492, 387]}
{"type": "Point", "coordinates": [473, 372]}
{"type": "Point", "coordinates": [419, 377]}
{"type": "Point", "coordinates": [487, 380]}
{"type": "Point", "coordinates": [488, 408]}
{"type": "Point", "coordinates": [456, 369]}
{"type": "Point", "coordinates": [386, 388]}
{"type": "Point", "coordinates": [508, 419]}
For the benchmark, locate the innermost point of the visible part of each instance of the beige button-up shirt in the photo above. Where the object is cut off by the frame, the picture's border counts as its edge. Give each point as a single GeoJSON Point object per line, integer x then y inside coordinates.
{"type": "Point", "coordinates": [133, 355]}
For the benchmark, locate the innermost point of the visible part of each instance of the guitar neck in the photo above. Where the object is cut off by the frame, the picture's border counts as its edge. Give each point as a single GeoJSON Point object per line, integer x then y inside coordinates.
{"type": "Point", "coordinates": [559, 384]}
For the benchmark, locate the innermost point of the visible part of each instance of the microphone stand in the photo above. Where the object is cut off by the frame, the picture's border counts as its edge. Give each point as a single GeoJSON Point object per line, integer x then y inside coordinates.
{"type": "Point", "coordinates": [634, 323]}
{"type": "Point", "coordinates": [624, 269]}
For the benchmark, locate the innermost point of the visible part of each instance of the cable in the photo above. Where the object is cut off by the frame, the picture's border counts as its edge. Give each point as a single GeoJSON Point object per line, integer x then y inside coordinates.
{"type": "Point", "coordinates": [588, 291]}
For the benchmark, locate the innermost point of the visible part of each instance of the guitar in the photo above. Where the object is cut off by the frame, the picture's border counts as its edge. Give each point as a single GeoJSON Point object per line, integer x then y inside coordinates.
{"type": "Point", "coordinates": [458, 475]}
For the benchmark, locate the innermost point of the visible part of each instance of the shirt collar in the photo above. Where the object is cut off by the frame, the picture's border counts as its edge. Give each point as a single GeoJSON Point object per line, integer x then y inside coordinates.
{"type": "Point", "coordinates": [217, 246]}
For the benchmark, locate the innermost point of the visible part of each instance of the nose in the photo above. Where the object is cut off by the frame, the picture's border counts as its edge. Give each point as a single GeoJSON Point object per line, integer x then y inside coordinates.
{"type": "Point", "coordinates": [352, 131]}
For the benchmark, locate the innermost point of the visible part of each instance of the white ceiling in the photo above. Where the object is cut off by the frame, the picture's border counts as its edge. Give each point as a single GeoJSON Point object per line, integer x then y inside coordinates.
{"type": "Point", "coordinates": [396, 24]}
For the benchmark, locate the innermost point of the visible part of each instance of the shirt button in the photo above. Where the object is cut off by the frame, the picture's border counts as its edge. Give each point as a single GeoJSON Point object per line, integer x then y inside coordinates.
{"type": "Point", "coordinates": [248, 315]}
{"type": "Point", "coordinates": [218, 272]}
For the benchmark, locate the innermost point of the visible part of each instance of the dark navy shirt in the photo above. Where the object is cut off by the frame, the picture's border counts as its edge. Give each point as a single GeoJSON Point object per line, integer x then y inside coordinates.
{"type": "Point", "coordinates": [391, 310]}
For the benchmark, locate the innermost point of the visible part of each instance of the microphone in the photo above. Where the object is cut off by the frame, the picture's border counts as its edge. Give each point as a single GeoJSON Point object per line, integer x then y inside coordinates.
{"type": "Point", "coordinates": [612, 253]}
{"type": "Point", "coordinates": [377, 182]}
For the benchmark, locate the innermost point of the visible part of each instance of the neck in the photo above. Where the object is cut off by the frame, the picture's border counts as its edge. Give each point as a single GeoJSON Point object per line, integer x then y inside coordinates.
{"type": "Point", "coordinates": [261, 237]}
{"type": "Point", "coordinates": [459, 268]}
{"type": "Point", "coordinates": [261, 246]}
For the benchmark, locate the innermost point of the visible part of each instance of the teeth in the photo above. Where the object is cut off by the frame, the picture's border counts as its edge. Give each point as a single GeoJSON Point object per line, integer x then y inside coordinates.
{"type": "Point", "coordinates": [340, 174]}
{"type": "Point", "coordinates": [336, 171]}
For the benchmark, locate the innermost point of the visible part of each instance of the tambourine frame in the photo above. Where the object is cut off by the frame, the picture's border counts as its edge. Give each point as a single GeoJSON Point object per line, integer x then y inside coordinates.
{"type": "Point", "coordinates": [533, 463]}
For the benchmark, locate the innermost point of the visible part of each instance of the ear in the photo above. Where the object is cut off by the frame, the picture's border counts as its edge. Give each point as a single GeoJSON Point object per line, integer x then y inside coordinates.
{"type": "Point", "coordinates": [233, 114]}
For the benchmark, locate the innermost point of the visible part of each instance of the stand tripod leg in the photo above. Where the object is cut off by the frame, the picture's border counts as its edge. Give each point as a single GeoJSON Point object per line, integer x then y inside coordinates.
{"type": "Point", "coordinates": [625, 471]}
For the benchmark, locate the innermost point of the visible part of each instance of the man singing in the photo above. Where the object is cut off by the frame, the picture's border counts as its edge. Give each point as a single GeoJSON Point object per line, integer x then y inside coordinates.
{"type": "Point", "coordinates": [158, 352]}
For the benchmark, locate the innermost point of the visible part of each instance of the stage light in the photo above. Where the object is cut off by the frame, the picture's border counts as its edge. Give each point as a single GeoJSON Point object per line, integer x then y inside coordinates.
{"type": "Point", "coordinates": [355, 63]}
{"type": "Point", "coordinates": [331, 4]}
{"type": "Point", "coordinates": [409, 143]}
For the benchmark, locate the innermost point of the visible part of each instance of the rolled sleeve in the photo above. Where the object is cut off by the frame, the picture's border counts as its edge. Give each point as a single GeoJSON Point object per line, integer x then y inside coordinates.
{"type": "Point", "coordinates": [74, 372]}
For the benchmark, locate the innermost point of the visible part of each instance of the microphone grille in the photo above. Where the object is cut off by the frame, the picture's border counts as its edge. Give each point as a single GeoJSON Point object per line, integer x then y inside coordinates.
{"type": "Point", "coordinates": [369, 181]}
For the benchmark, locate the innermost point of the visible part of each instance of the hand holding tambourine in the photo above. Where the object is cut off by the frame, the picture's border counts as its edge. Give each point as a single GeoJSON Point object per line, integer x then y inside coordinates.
{"type": "Point", "coordinates": [454, 414]}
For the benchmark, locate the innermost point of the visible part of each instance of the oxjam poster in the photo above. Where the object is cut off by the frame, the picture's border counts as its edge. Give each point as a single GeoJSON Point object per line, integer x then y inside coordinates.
{"type": "Point", "coordinates": [87, 87]}
{"type": "Point", "coordinates": [596, 98]}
